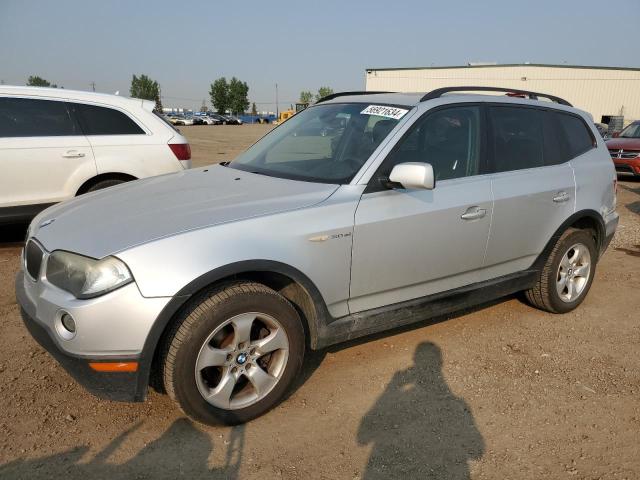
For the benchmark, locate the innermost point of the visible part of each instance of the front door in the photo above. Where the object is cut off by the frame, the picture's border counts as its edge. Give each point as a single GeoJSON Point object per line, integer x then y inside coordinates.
{"type": "Point", "coordinates": [411, 243]}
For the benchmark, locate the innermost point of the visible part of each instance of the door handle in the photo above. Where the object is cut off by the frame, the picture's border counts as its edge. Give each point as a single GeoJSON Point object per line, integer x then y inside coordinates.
{"type": "Point", "coordinates": [561, 197]}
{"type": "Point", "coordinates": [73, 154]}
{"type": "Point", "coordinates": [473, 213]}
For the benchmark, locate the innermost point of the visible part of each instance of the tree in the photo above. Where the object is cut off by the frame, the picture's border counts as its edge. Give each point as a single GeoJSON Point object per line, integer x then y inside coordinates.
{"type": "Point", "coordinates": [306, 97]}
{"type": "Point", "coordinates": [219, 94]}
{"type": "Point", "coordinates": [238, 93]}
{"type": "Point", "coordinates": [36, 81]}
{"type": "Point", "coordinates": [254, 110]}
{"type": "Point", "coordinates": [158, 108]}
{"type": "Point", "coordinates": [323, 92]}
{"type": "Point", "coordinates": [203, 107]}
{"type": "Point", "coordinates": [144, 87]}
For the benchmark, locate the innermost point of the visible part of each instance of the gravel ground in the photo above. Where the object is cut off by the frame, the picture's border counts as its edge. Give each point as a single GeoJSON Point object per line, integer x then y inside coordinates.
{"type": "Point", "coordinates": [500, 391]}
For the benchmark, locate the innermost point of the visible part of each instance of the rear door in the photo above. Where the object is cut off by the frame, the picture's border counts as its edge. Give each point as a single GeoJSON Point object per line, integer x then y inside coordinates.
{"type": "Point", "coordinates": [532, 182]}
{"type": "Point", "coordinates": [44, 156]}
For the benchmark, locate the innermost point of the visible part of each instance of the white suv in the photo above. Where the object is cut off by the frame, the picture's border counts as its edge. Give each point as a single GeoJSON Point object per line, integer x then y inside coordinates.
{"type": "Point", "coordinates": [56, 144]}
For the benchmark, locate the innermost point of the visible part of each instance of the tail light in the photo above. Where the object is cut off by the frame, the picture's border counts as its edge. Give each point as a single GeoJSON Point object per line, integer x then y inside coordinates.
{"type": "Point", "coordinates": [182, 151]}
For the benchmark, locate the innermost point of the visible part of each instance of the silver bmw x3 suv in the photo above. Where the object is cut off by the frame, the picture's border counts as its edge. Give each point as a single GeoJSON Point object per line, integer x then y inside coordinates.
{"type": "Point", "coordinates": [362, 213]}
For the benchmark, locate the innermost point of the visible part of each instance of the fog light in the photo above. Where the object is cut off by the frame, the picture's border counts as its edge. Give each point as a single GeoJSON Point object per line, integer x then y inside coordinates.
{"type": "Point", "coordinates": [68, 323]}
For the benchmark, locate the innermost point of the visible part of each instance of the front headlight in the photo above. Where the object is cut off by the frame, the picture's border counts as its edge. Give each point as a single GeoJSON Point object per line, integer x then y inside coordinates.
{"type": "Point", "coordinates": [86, 277]}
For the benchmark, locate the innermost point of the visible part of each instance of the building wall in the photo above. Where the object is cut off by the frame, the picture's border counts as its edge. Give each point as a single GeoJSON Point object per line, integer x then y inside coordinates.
{"type": "Point", "coordinates": [599, 91]}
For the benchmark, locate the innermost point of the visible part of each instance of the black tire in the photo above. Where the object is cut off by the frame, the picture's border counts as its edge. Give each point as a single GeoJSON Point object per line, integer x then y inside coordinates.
{"type": "Point", "coordinates": [105, 184]}
{"type": "Point", "coordinates": [203, 315]}
{"type": "Point", "coordinates": [544, 294]}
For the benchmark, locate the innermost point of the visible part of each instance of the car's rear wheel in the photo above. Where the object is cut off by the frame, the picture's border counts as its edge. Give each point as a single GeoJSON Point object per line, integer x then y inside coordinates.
{"type": "Point", "coordinates": [567, 274]}
{"type": "Point", "coordinates": [105, 184]}
{"type": "Point", "coordinates": [233, 354]}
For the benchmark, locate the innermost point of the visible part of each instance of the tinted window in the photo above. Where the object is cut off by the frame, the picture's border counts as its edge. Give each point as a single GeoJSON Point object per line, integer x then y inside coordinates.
{"type": "Point", "coordinates": [517, 138]}
{"type": "Point", "coordinates": [106, 121]}
{"type": "Point", "coordinates": [448, 139]}
{"type": "Point", "coordinates": [24, 117]}
{"type": "Point", "coordinates": [577, 137]}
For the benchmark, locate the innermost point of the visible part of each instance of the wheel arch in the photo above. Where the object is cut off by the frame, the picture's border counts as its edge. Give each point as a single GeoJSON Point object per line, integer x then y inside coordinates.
{"type": "Point", "coordinates": [584, 220]}
{"type": "Point", "coordinates": [290, 282]}
{"type": "Point", "coordinates": [84, 188]}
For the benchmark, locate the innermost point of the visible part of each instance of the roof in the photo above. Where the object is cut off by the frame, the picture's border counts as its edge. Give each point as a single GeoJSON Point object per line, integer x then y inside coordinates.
{"type": "Point", "coordinates": [414, 98]}
{"type": "Point", "coordinates": [63, 93]}
{"type": "Point", "coordinates": [544, 65]}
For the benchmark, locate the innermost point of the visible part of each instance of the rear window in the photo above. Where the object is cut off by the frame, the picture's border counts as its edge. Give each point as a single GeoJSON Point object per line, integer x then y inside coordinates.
{"type": "Point", "coordinates": [105, 121]}
{"type": "Point", "coordinates": [517, 138]}
{"type": "Point", "coordinates": [578, 137]}
{"type": "Point", "coordinates": [25, 117]}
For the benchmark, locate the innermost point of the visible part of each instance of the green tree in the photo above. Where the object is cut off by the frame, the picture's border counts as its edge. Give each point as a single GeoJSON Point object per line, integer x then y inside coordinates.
{"type": "Point", "coordinates": [36, 81]}
{"type": "Point", "coordinates": [158, 108]}
{"type": "Point", "coordinates": [254, 110]}
{"type": "Point", "coordinates": [219, 94]}
{"type": "Point", "coordinates": [203, 107]}
{"type": "Point", "coordinates": [144, 87]}
{"type": "Point", "coordinates": [306, 97]}
{"type": "Point", "coordinates": [238, 93]}
{"type": "Point", "coordinates": [323, 92]}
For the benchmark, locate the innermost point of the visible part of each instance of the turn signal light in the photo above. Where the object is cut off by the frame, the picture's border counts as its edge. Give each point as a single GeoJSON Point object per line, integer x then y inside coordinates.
{"type": "Point", "coordinates": [114, 366]}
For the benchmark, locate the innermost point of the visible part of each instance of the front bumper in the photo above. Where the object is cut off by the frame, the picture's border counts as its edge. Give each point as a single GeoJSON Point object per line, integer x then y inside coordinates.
{"type": "Point", "coordinates": [629, 167]}
{"type": "Point", "coordinates": [91, 343]}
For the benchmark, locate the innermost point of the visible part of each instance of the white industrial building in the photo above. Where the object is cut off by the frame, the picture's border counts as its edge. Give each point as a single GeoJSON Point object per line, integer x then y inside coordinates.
{"type": "Point", "coordinates": [601, 91]}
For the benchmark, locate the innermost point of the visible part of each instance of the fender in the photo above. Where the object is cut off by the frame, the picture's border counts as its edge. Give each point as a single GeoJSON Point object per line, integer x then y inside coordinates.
{"type": "Point", "coordinates": [315, 325]}
{"type": "Point", "coordinates": [576, 217]}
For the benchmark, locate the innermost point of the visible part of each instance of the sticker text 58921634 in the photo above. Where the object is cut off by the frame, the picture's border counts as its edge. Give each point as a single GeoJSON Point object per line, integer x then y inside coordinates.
{"type": "Point", "coordinates": [384, 111]}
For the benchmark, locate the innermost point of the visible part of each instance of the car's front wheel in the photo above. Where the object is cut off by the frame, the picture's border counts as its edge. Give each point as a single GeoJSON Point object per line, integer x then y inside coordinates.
{"type": "Point", "coordinates": [233, 354]}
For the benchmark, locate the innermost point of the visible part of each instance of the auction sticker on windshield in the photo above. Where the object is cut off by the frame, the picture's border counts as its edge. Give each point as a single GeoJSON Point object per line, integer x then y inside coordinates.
{"type": "Point", "coordinates": [383, 111]}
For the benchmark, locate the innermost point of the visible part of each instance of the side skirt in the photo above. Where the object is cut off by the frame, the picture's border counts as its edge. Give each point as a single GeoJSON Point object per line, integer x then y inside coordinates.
{"type": "Point", "coordinates": [392, 316]}
{"type": "Point", "coordinates": [21, 213]}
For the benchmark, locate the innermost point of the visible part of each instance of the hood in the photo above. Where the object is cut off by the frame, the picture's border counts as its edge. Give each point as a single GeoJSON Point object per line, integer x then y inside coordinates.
{"type": "Point", "coordinates": [623, 143]}
{"type": "Point", "coordinates": [115, 219]}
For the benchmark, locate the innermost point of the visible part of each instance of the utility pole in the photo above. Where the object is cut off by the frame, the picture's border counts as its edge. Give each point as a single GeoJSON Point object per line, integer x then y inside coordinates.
{"type": "Point", "coordinates": [93, 86]}
{"type": "Point", "coordinates": [277, 111]}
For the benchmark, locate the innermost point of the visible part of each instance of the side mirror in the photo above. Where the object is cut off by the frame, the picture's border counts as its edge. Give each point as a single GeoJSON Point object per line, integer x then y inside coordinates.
{"type": "Point", "coordinates": [414, 175]}
{"type": "Point", "coordinates": [615, 134]}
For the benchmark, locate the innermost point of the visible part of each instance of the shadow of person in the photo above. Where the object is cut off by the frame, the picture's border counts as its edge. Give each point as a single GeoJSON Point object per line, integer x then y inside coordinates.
{"type": "Point", "coordinates": [181, 452]}
{"type": "Point", "coordinates": [418, 427]}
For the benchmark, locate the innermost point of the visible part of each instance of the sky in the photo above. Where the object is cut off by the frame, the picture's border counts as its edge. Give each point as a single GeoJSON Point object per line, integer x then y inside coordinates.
{"type": "Point", "coordinates": [298, 45]}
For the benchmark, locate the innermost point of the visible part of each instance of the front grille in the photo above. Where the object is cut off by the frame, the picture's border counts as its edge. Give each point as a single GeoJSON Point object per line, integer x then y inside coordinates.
{"type": "Point", "coordinates": [624, 169]}
{"type": "Point", "coordinates": [33, 259]}
{"type": "Point", "coordinates": [625, 154]}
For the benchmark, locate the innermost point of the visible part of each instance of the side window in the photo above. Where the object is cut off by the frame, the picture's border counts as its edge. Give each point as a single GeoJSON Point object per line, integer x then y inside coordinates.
{"type": "Point", "coordinates": [578, 138]}
{"type": "Point", "coordinates": [25, 117]}
{"type": "Point", "coordinates": [517, 138]}
{"type": "Point", "coordinates": [105, 121]}
{"type": "Point", "coordinates": [448, 139]}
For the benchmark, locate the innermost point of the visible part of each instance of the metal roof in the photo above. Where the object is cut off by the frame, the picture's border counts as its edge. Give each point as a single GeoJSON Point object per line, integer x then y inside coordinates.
{"type": "Point", "coordinates": [544, 65]}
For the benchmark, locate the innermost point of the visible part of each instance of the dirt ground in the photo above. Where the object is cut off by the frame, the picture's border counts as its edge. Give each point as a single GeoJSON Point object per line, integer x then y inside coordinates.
{"type": "Point", "coordinates": [500, 392]}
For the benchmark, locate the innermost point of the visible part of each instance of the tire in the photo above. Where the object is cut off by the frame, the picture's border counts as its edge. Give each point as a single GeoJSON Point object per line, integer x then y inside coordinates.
{"type": "Point", "coordinates": [545, 295]}
{"type": "Point", "coordinates": [105, 184]}
{"type": "Point", "coordinates": [207, 322]}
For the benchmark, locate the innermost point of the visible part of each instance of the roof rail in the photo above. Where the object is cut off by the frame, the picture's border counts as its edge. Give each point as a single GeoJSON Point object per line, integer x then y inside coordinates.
{"type": "Point", "coordinates": [438, 92]}
{"type": "Point", "coordinates": [344, 94]}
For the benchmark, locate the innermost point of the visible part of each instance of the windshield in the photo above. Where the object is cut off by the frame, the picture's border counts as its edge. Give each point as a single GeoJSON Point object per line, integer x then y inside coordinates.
{"type": "Point", "coordinates": [632, 131]}
{"type": "Point", "coordinates": [325, 143]}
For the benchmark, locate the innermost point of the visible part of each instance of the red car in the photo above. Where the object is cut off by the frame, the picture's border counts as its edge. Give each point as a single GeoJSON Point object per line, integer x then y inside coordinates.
{"type": "Point", "coordinates": [625, 150]}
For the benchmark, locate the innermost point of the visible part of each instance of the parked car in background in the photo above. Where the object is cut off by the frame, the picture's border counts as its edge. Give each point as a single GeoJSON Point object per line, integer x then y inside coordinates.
{"type": "Point", "coordinates": [215, 281]}
{"type": "Point", "coordinates": [210, 120]}
{"type": "Point", "coordinates": [181, 119]}
{"type": "Point", "coordinates": [625, 150]}
{"type": "Point", "coordinates": [231, 120]}
{"type": "Point", "coordinates": [603, 129]}
{"type": "Point", "coordinates": [56, 144]}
